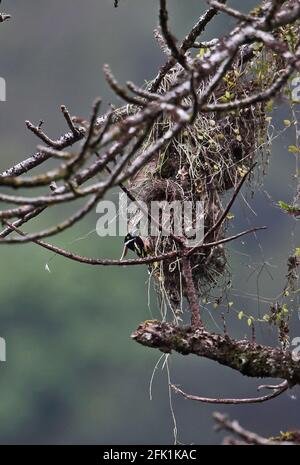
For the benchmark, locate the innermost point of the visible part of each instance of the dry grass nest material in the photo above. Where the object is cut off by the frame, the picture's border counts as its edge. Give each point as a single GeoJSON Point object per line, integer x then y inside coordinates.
{"type": "Point", "coordinates": [202, 163]}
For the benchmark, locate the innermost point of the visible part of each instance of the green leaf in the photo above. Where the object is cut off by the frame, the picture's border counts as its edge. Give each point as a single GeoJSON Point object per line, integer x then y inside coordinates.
{"type": "Point", "coordinates": [202, 52]}
{"type": "Point", "coordinates": [240, 315]}
{"type": "Point", "coordinates": [223, 99]}
{"type": "Point", "coordinates": [250, 321]}
{"type": "Point", "coordinates": [283, 205]}
{"type": "Point", "coordinates": [289, 208]}
{"type": "Point", "coordinates": [269, 106]}
{"type": "Point", "coordinates": [285, 308]}
{"type": "Point", "coordinates": [294, 149]}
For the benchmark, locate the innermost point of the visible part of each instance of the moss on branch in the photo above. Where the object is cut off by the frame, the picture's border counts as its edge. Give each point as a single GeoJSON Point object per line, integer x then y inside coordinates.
{"type": "Point", "coordinates": [249, 358]}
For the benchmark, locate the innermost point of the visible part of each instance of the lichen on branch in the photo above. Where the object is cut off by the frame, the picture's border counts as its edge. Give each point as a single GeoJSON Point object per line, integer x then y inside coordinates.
{"type": "Point", "coordinates": [248, 358]}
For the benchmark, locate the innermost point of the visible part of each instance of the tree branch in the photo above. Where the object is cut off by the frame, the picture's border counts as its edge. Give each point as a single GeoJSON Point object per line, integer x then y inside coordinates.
{"type": "Point", "coordinates": [248, 358]}
{"type": "Point", "coordinates": [280, 389]}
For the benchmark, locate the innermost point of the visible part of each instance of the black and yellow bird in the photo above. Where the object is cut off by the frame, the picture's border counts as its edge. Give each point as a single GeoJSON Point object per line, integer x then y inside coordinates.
{"type": "Point", "coordinates": [142, 247]}
{"type": "Point", "coordinates": [136, 244]}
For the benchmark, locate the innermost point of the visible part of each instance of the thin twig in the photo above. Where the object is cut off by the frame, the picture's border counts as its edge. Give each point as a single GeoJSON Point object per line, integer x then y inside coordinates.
{"type": "Point", "coordinates": [234, 401]}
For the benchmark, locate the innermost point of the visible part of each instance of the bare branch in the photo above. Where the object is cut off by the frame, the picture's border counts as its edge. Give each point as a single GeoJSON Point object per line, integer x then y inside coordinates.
{"type": "Point", "coordinates": [231, 11]}
{"type": "Point", "coordinates": [222, 422]}
{"type": "Point", "coordinates": [234, 401]}
{"type": "Point", "coordinates": [163, 19]}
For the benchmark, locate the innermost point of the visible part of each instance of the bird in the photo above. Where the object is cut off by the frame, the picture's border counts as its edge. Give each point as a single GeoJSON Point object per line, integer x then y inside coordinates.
{"type": "Point", "coordinates": [137, 244]}
{"type": "Point", "coordinates": [142, 247]}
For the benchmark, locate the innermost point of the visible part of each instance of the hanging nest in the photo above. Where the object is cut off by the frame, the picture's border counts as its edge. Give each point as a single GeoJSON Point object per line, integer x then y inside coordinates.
{"type": "Point", "coordinates": [202, 163]}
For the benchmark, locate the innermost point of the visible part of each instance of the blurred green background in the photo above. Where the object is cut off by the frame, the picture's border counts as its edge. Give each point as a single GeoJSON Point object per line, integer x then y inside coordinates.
{"type": "Point", "coordinates": [73, 374]}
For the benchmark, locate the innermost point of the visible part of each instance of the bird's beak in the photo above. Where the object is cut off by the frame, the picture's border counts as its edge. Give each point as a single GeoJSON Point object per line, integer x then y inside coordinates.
{"type": "Point", "coordinates": [124, 253]}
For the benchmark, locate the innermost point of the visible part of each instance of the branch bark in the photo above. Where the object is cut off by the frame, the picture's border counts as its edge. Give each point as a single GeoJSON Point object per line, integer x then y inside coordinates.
{"type": "Point", "coordinates": [247, 437]}
{"type": "Point", "coordinates": [248, 358]}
